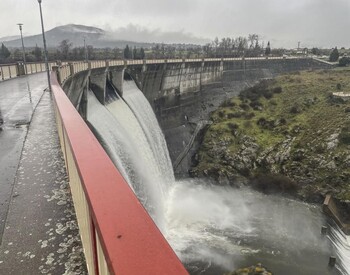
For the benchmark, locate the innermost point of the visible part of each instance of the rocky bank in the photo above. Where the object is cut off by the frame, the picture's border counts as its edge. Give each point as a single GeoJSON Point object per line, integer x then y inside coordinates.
{"type": "Point", "coordinates": [287, 134]}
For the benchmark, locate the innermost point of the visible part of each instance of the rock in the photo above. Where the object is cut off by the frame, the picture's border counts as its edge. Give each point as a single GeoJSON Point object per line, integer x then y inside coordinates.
{"type": "Point", "coordinates": [253, 270]}
{"type": "Point", "coordinates": [332, 141]}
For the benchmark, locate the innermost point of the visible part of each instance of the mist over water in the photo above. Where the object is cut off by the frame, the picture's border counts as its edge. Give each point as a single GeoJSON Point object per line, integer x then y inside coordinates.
{"type": "Point", "coordinates": [213, 229]}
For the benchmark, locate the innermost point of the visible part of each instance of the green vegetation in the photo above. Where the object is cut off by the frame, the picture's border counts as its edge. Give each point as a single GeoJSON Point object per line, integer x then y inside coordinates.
{"type": "Point", "coordinates": [291, 130]}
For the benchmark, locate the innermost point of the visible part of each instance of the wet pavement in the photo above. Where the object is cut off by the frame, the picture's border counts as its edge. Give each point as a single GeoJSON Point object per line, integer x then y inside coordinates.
{"type": "Point", "coordinates": [17, 102]}
{"type": "Point", "coordinates": [39, 232]}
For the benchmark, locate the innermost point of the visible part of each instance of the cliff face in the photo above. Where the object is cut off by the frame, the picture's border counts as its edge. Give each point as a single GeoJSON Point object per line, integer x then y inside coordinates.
{"type": "Point", "coordinates": [288, 134]}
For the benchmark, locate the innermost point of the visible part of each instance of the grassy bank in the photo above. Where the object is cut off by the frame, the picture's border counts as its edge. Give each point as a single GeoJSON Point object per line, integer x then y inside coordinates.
{"type": "Point", "coordinates": [290, 126]}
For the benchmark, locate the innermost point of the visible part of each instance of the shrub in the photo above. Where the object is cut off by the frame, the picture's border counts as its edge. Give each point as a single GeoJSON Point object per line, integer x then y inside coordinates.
{"type": "Point", "coordinates": [267, 94]}
{"type": "Point", "coordinates": [255, 104]}
{"type": "Point", "coordinates": [344, 137]}
{"type": "Point", "coordinates": [221, 114]}
{"type": "Point", "coordinates": [277, 90]}
{"type": "Point", "coordinates": [228, 103]}
{"type": "Point", "coordinates": [338, 86]}
{"type": "Point", "coordinates": [244, 106]}
{"type": "Point", "coordinates": [295, 109]}
{"type": "Point", "coordinates": [273, 102]}
{"type": "Point", "coordinates": [233, 126]}
{"type": "Point", "coordinates": [261, 121]}
{"type": "Point", "coordinates": [247, 124]}
{"type": "Point", "coordinates": [234, 115]}
{"type": "Point", "coordinates": [344, 61]}
{"type": "Point", "coordinates": [347, 110]}
{"type": "Point", "coordinates": [249, 115]}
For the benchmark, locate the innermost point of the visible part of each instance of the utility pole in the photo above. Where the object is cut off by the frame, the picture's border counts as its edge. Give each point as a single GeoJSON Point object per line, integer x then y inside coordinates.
{"type": "Point", "coordinates": [45, 49]}
{"type": "Point", "coordinates": [85, 51]}
{"type": "Point", "coordinates": [23, 51]}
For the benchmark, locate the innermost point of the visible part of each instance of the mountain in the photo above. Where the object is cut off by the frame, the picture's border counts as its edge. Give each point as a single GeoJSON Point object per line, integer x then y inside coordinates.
{"type": "Point", "coordinates": [9, 38]}
{"type": "Point", "coordinates": [95, 37]}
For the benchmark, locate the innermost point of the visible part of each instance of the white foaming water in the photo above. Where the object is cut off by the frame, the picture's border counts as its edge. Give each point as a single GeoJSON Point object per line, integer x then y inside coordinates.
{"type": "Point", "coordinates": [342, 244]}
{"type": "Point", "coordinates": [214, 225]}
{"type": "Point", "coordinates": [116, 143]}
{"type": "Point", "coordinates": [148, 121]}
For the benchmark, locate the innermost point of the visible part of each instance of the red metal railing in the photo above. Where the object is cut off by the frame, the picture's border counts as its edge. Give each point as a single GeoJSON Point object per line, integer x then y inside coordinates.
{"type": "Point", "coordinates": [118, 235]}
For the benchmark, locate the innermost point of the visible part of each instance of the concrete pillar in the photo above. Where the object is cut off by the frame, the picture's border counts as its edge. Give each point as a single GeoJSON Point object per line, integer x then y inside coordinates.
{"type": "Point", "coordinates": [71, 68]}
{"type": "Point", "coordinates": [144, 66]}
{"type": "Point", "coordinates": [55, 69]}
{"type": "Point", "coordinates": [201, 74]}
{"type": "Point", "coordinates": [332, 261]}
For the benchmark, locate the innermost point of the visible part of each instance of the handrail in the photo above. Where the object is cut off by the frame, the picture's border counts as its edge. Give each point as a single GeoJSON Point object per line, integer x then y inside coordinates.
{"type": "Point", "coordinates": [118, 235]}
{"type": "Point", "coordinates": [8, 71]}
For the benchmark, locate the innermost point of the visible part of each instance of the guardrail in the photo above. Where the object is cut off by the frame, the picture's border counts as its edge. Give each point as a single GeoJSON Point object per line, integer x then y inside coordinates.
{"type": "Point", "coordinates": [118, 235]}
{"type": "Point", "coordinates": [8, 71]}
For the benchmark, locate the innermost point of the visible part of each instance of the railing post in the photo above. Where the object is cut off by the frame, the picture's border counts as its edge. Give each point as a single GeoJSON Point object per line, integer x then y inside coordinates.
{"type": "Point", "coordinates": [56, 71]}
{"type": "Point", "coordinates": [71, 68]}
{"type": "Point", "coordinates": [144, 66]}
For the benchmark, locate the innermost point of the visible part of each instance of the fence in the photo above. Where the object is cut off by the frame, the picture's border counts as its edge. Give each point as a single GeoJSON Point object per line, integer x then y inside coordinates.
{"type": "Point", "coordinates": [8, 71]}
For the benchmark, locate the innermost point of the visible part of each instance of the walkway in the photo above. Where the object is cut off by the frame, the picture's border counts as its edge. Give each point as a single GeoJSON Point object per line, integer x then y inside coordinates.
{"type": "Point", "coordinates": [38, 229]}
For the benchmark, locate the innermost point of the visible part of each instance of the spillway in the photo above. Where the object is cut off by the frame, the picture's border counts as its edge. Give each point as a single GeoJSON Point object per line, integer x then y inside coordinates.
{"type": "Point", "coordinates": [213, 229]}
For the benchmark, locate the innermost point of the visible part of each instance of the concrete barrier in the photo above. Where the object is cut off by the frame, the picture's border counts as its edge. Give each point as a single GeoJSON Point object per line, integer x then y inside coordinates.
{"type": "Point", "coordinates": [330, 208]}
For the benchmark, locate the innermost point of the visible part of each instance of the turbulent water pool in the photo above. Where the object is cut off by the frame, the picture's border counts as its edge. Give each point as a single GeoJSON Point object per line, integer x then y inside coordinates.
{"type": "Point", "coordinates": [217, 229]}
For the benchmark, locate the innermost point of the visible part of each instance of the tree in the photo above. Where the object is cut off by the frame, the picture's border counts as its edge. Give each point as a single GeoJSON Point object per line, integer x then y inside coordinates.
{"type": "Point", "coordinates": [134, 53]}
{"type": "Point", "coordinates": [268, 49]}
{"type": "Point", "coordinates": [4, 52]}
{"type": "Point", "coordinates": [142, 54]}
{"type": "Point", "coordinates": [334, 56]}
{"type": "Point", "coordinates": [344, 61]}
{"type": "Point", "coordinates": [315, 51]}
{"type": "Point", "coordinates": [127, 53]}
{"type": "Point", "coordinates": [64, 48]}
{"type": "Point", "coordinates": [37, 53]}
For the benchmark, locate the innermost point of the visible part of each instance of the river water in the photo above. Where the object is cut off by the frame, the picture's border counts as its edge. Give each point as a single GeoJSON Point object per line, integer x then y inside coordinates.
{"type": "Point", "coordinates": [213, 229]}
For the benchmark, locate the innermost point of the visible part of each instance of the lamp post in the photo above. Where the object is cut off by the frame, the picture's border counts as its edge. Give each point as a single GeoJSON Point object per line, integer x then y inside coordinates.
{"type": "Point", "coordinates": [23, 51]}
{"type": "Point", "coordinates": [85, 51]}
{"type": "Point", "coordinates": [45, 49]}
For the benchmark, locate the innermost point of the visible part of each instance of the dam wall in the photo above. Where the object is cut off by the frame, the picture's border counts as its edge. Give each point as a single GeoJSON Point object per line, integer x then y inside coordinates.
{"type": "Point", "coordinates": [183, 93]}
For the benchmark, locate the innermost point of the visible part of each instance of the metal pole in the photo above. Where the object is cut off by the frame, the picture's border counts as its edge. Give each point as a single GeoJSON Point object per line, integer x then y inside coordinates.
{"type": "Point", "coordinates": [23, 51]}
{"type": "Point", "coordinates": [45, 49]}
{"type": "Point", "coordinates": [85, 50]}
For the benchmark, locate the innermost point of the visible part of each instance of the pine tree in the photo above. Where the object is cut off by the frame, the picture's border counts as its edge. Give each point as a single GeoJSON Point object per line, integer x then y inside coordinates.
{"type": "Point", "coordinates": [268, 49]}
{"type": "Point", "coordinates": [4, 52]}
{"type": "Point", "coordinates": [134, 53]}
{"type": "Point", "coordinates": [142, 54]}
{"type": "Point", "coordinates": [127, 52]}
{"type": "Point", "coordinates": [37, 53]}
{"type": "Point", "coordinates": [334, 56]}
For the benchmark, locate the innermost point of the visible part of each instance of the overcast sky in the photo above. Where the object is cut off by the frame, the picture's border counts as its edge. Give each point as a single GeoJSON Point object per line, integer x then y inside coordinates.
{"type": "Point", "coordinates": [323, 23]}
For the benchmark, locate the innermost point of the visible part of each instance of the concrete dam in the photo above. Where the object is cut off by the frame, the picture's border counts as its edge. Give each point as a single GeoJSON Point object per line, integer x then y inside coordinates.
{"type": "Point", "coordinates": [148, 118]}
{"type": "Point", "coordinates": [182, 94]}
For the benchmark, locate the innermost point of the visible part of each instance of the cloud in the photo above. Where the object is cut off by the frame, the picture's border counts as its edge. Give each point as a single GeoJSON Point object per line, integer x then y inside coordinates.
{"type": "Point", "coordinates": [138, 33]}
{"type": "Point", "coordinates": [313, 22]}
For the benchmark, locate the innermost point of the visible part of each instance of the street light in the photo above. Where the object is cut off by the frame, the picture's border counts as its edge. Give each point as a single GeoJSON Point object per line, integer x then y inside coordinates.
{"type": "Point", "coordinates": [85, 51]}
{"type": "Point", "coordinates": [45, 50]}
{"type": "Point", "coordinates": [23, 51]}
